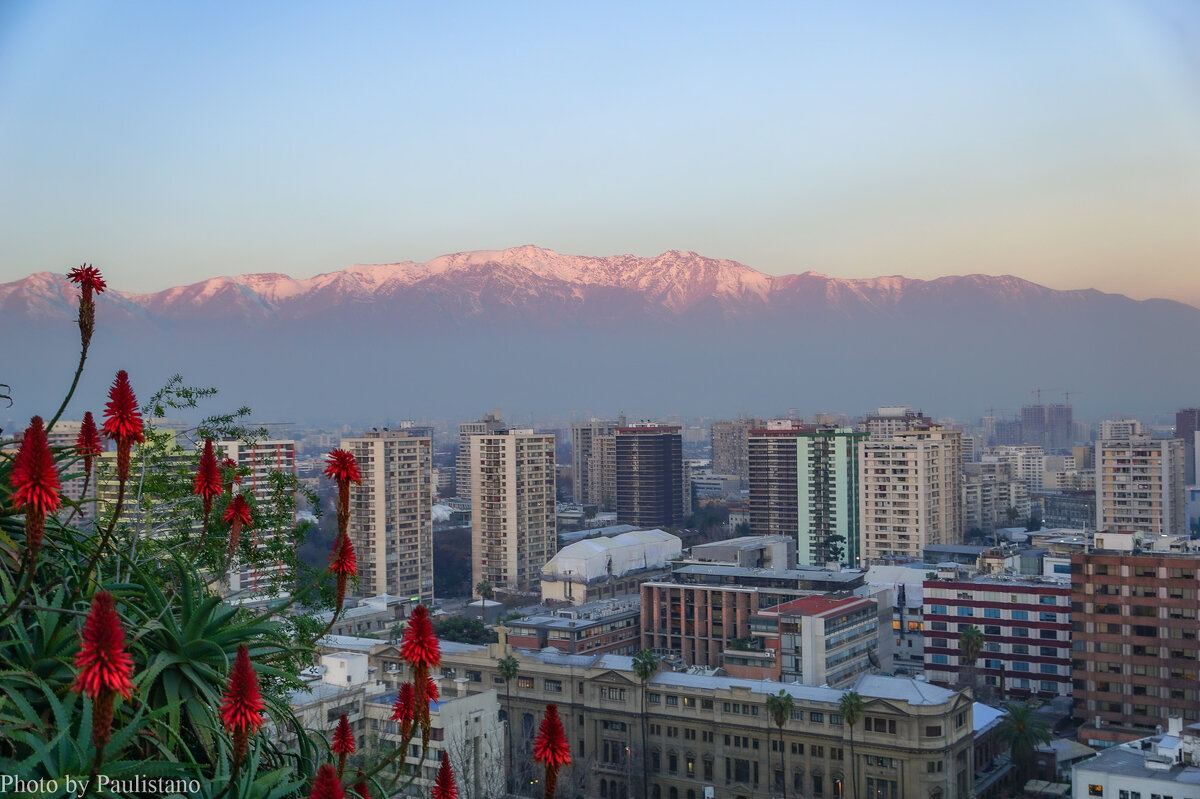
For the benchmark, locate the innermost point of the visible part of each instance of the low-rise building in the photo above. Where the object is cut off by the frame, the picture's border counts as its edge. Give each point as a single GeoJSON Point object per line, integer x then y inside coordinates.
{"type": "Point", "coordinates": [609, 625]}
{"type": "Point", "coordinates": [604, 567]}
{"type": "Point", "coordinates": [1163, 765]}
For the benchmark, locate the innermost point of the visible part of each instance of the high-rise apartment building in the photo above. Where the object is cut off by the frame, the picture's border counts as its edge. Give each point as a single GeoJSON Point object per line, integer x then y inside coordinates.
{"type": "Point", "coordinates": [513, 532]}
{"type": "Point", "coordinates": [1135, 652]}
{"type": "Point", "coordinates": [1047, 426]}
{"type": "Point", "coordinates": [391, 512]}
{"type": "Point", "coordinates": [651, 490]}
{"type": "Point", "coordinates": [804, 484]}
{"type": "Point", "coordinates": [1121, 428]}
{"type": "Point", "coordinates": [490, 423]}
{"type": "Point", "coordinates": [1140, 486]}
{"type": "Point", "coordinates": [256, 461]}
{"type": "Point", "coordinates": [989, 491]}
{"type": "Point", "coordinates": [889, 420]}
{"type": "Point", "coordinates": [910, 490]}
{"type": "Point", "coordinates": [587, 445]}
{"type": "Point", "coordinates": [731, 447]}
{"type": "Point", "coordinates": [1187, 423]}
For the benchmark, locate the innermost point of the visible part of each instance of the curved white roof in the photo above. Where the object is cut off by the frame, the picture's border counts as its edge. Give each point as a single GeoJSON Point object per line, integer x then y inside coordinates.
{"type": "Point", "coordinates": [590, 559]}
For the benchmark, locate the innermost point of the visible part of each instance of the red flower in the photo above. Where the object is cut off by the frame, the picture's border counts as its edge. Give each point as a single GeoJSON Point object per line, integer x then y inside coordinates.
{"type": "Point", "coordinates": [403, 709]}
{"type": "Point", "coordinates": [551, 746]}
{"type": "Point", "coordinates": [343, 737]}
{"type": "Point", "coordinates": [88, 278]}
{"type": "Point", "coordinates": [123, 421]}
{"type": "Point", "coordinates": [431, 690]}
{"type": "Point", "coordinates": [229, 466]}
{"type": "Point", "coordinates": [420, 646]}
{"type": "Point", "coordinates": [444, 787]}
{"type": "Point", "coordinates": [327, 785]}
{"type": "Point", "coordinates": [342, 468]}
{"type": "Point", "coordinates": [237, 515]}
{"type": "Point", "coordinates": [88, 443]}
{"type": "Point", "coordinates": [207, 484]}
{"type": "Point", "coordinates": [35, 483]}
{"type": "Point", "coordinates": [360, 787]}
{"type": "Point", "coordinates": [242, 705]}
{"type": "Point", "coordinates": [103, 664]}
{"type": "Point", "coordinates": [343, 561]}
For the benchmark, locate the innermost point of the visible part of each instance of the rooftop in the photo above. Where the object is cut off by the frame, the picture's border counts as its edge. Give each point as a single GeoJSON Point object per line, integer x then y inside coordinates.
{"type": "Point", "coordinates": [802, 573]}
{"type": "Point", "coordinates": [747, 543]}
{"type": "Point", "coordinates": [816, 605]}
{"type": "Point", "coordinates": [1141, 760]}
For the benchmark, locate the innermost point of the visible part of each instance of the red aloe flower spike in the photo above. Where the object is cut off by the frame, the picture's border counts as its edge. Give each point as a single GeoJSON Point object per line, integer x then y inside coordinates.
{"type": "Point", "coordinates": [326, 785]}
{"type": "Point", "coordinates": [229, 465]}
{"type": "Point", "coordinates": [421, 649]}
{"type": "Point", "coordinates": [242, 705]}
{"type": "Point", "coordinates": [88, 278]}
{"type": "Point", "coordinates": [88, 443]}
{"type": "Point", "coordinates": [237, 515]}
{"type": "Point", "coordinates": [207, 484]}
{"type": "Point", "coordinates": [431, 690]}
{"type": "Point", "coordinates": [551, 747]}
{"type": "Point", "coordinates": [360, 787]}
{"type": "Point", "coordinates": [36, 486]}
{"type": "Point", "coordinates": [343, 564]}
{"type": "Point", "coordinates": [343, 470]}
{"type": "Point", "coordinates": [403, 710]}
{"type": "Point", "coordinates": [444, 787]}
{"type": "Point", "coordinates": [123, 421]}
{"type": "Point", "coordinates": [104, 667]}
{"type": "Point", "coordinates": [343, 742]}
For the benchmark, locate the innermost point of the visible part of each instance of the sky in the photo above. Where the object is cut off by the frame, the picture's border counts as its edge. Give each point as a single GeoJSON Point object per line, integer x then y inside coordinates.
{"type": "Point", "coordinates": [171, 142]}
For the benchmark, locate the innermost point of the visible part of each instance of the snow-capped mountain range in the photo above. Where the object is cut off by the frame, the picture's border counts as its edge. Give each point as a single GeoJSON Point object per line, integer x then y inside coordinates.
{"type": "Point", "coordinates": [537, 330]}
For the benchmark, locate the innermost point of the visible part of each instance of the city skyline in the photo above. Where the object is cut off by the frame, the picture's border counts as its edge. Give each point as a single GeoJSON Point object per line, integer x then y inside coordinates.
{"type": "Point", "coordinates": [174, 144]}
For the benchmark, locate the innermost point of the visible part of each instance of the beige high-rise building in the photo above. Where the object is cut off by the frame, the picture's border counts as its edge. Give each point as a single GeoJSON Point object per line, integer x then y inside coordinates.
{"type": "Point", "coordinates": [490, 423]}
{"type": "Point", "coordinates": [602, 472]}
{"type": "Point", "coordinates": [588, 440]}
{"type": "Point", "coordinates": [260, 459]}
{"type": "Point", "coordinates": [513, 532]}
{"type": "Point", "coordinates": [731, 447]}
{"type": "Point", "coordinates": [391, 512]}
{"type": "Point", "coordinates": [1140, 484]}
{"type": "Point", "coordinates": [911, 492]}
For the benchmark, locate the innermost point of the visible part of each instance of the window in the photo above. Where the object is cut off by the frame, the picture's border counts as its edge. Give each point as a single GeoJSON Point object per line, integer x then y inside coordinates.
{"type": "Point", "coordinates": [474, 676]}
{"type": "Point", "coordinates": [614, 694]}
{"type": "Point", "coordinates": [524, 682]}
{"type": "Point", "coordinates": [991, 629]}
{"type": "Point", "coordinates": [1048, 635]}
{"type": "Point", "coordinates": [1047, 616]}
{"type": "Point", "coordinates": [553, 686]}
{"type": "Point", "coordinates": [1095, 790]}
{"type": "Point", "coordinates": [991, 613]}
{"type": "Point", "coordinates": [933, 767]}
{"type": "Point", "coordinates": [706, 704]}
{"type": "Point", "coordinates": [1020, 632]}
{"type": "Point", "coordinates": [1020, 615]}
{"type": "Point", "coordinates": [816, 718]}
{"type": "Point", "coordinates": [816, 751]}
{"type": "Point", "coordinates": [655, 698]}
{"type": "Point", "coordinates": [1020, 665]}
{"type": "Point", "coordinates": [963, 611]}
{"type": "Point", "coordinates": [940, 659]}
{"type": "Point", "coordinates": [938, 626]}
{"type": "Point", "coordinates": [933, 730]}
{"type": "Point", "coordinates": [1048, 668]}
{"type": "Point", "coordinates": [938, 609]}
{"type": "Point", "coordinates": [1047, 600]}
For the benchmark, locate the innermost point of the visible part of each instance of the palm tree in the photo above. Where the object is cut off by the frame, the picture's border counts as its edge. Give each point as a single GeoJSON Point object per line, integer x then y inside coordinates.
{"type": "Point", "coordinates": [780, 707]}
{"type": "Point", "coordinates": [645, 664]}
{"type": "Point", "coordinates": [970, 644]}
{"type": "Point", "coordinates": [1022, 732]}
{"type": "Point", "coordinates": [486, 592]}
{"type": "Point", "coordinates": [851, 708]}
{"type": "Point", "coordinates": [508, 666]}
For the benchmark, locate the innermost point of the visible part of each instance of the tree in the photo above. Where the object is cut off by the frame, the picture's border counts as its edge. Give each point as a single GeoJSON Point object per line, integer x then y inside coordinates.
{"type": "Point", "coordinates": [464, 631]}
{"type": "Point", "coordinates": [851, 708]}
{"type": "Point", "coordinates": [970, 644]}
{"type": "Point", "coordinates": [486, 592]}
{"type": "Point", "coordinates": [508, 666]}
{"type": "Point", "coordinates": [779, 706]}
{"type": "Point", "coordinates": [1022, 732]}
{"type": "Point", "coordinates": [645, 665]}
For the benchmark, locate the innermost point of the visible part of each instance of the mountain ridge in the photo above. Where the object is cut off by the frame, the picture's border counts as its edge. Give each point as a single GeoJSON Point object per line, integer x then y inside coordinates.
{"type": "Point", "coordinates": [675, 280]}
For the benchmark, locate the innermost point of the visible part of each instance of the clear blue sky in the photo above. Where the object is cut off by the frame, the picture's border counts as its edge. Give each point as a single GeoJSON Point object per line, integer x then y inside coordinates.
{"type": "Point", "coordinates": [168, 142]}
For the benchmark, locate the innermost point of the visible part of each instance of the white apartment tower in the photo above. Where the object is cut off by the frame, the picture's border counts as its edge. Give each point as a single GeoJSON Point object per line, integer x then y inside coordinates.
{"type": "Point", "coordinates": [1140, 484]}
{"type": "Point", "coordinates": [591, 441]}
{"type": "Point", "coordinates": [258, 460]}
{"type": "Point", "coordinates": [391, 512]}
{"type": "Point", "coordinates": [513, 532]}
{"type": "Point", "coordinates": [490, 423]}
{"type": "Point", "coordinates": [910, 492]}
